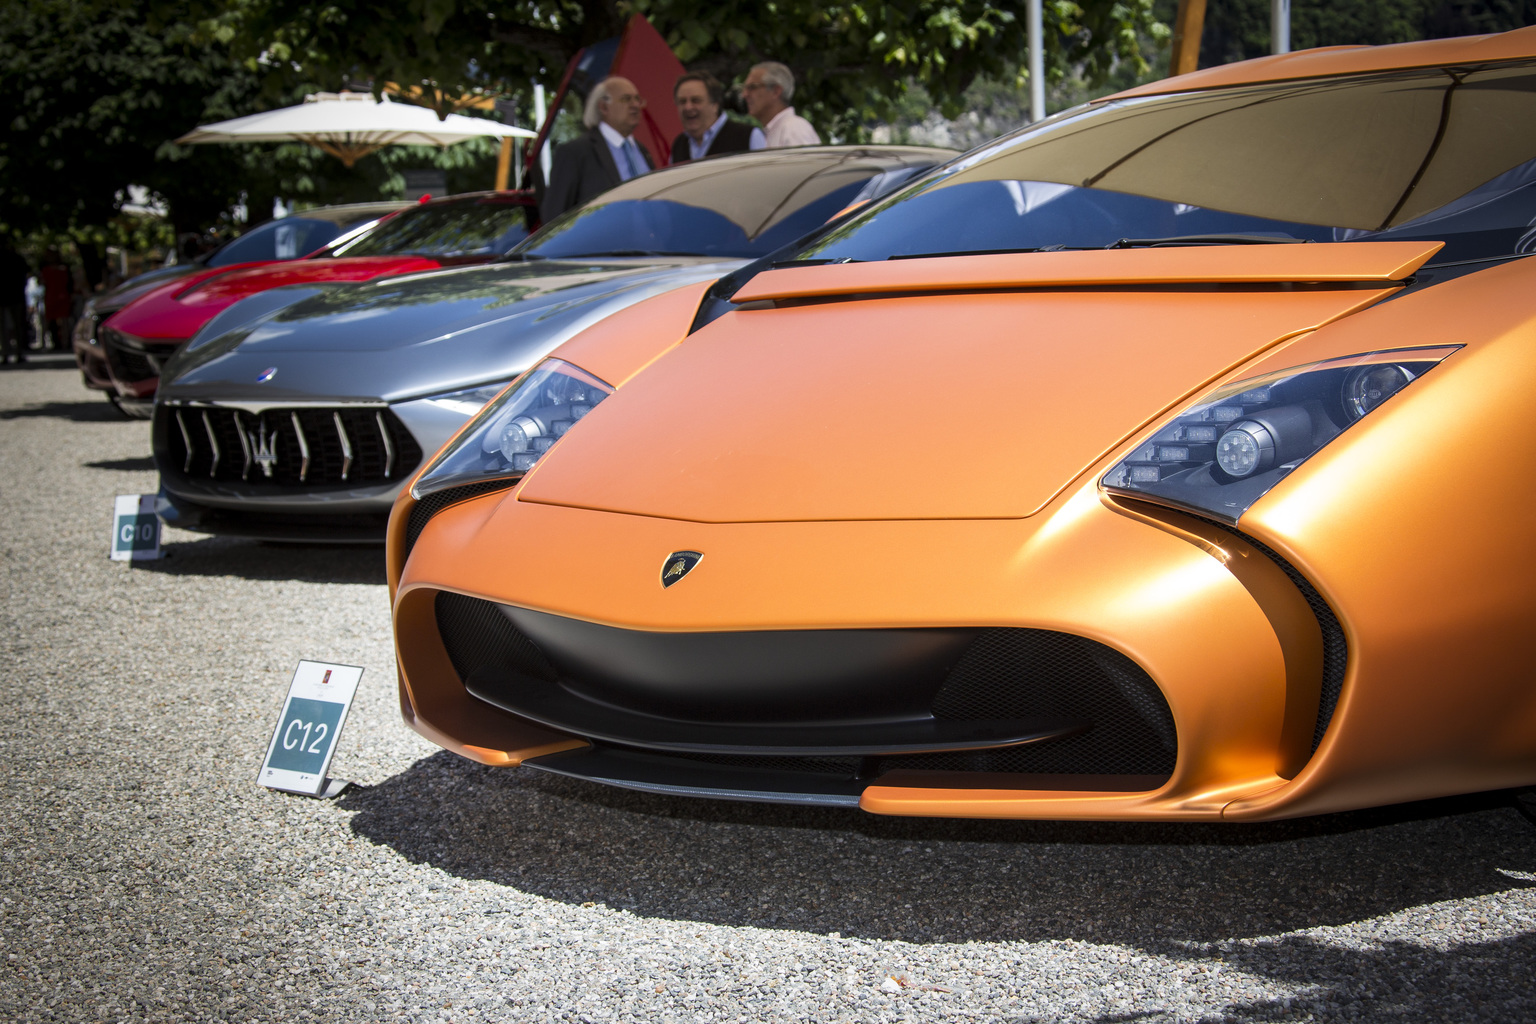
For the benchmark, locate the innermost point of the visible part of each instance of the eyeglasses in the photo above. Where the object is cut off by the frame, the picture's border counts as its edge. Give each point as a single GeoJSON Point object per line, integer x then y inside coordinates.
{"type": "Point", "coordinates": [628, 97]}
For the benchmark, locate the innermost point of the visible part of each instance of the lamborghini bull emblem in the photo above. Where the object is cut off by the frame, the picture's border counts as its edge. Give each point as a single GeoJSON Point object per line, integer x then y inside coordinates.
{"type": "Point", "coordinates": [678, 565]}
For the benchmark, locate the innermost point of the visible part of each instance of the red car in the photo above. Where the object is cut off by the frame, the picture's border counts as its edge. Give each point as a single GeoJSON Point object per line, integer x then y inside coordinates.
{"type": "Point", "coordinates": [283, 239]}
{"type": "Point", "coordinates": [471, 228]}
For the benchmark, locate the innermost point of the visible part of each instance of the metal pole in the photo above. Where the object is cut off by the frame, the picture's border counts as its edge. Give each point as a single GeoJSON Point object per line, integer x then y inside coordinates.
{"type": "Point", "coordinates": [1279, 26]}
{"type": "Point", "coordinates": [538, 118]}
{"type": "Point", "coordinates": [1037, 60]}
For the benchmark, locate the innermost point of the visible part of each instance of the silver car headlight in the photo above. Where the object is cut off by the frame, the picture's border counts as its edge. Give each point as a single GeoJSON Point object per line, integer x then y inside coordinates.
{"type": "Point", "coordinates": [512, 432]}
{"type": "Point", "coordinates": [1226, 452]}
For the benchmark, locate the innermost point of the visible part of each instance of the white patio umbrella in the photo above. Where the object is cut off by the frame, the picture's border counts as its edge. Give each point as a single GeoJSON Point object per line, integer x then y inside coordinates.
{"type": "Point", "coordinates": [350, 125]}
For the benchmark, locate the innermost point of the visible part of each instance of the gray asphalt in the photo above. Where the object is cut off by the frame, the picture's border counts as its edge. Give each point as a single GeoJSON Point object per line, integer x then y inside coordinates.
{"type": "Point", "coordinates": [144, 875]}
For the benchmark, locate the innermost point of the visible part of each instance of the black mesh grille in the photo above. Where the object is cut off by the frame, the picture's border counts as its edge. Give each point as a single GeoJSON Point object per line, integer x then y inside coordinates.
{"type": "Point", "coordinates": [1335, 647]}
{"type": "Point", "coordinates": [432, 504]}
{"type": "Point", "coordinates": [290, 448]}
{"type": "Point", "coordinates": [1018, 673]}
{"type": "Point", "coordinates": [478, 636]}
{"type": "Point", "coordinates": [131, 365]}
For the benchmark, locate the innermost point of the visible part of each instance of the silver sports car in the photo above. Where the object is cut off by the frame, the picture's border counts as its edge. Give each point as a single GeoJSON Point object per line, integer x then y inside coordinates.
{"type": "Point", "coordinates": [297, 414]}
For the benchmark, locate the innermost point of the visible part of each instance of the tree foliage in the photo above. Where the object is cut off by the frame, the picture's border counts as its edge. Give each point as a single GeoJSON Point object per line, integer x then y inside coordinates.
{"type": "Point", "coordinates": [1240, 30]}
{"type": "Point", "coordinates": [853, 60]}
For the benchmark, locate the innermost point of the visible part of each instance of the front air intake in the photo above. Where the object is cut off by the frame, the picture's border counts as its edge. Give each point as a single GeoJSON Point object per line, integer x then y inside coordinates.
{"type": "Point", "coordinates": [1093, 711]}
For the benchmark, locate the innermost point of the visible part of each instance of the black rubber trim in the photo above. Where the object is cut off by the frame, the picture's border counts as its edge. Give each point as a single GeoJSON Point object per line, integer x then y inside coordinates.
{"type": "Point", "coordinates": [672, 777]}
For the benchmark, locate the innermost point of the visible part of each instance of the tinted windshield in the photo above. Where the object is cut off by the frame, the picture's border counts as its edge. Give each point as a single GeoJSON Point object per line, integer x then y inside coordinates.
{"type": "Point", "coordinates": [1434, 154]}
{"type": "Point", "coordinates": [285, 239]}
{"type": "Point", "coordinates": [446, 229]}
{"type": "Point", "coordinates": [739, 208]}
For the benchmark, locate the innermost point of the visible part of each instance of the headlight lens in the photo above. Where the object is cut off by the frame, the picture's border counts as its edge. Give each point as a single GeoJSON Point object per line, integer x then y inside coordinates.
{"type": "Point", "coordinates": [470, 400]}
{"type": "Point", "coordinates": [1225, 453]}
{"type": "Point", "coordinates": [514, 431]}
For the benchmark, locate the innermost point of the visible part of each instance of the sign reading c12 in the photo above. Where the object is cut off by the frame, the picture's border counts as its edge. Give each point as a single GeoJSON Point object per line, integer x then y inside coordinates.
{"type": "Point", "coordinates": [304, 742]}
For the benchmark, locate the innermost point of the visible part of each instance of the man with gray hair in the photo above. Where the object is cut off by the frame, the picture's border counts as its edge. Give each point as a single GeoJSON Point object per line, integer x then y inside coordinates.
{"type": "Point", "coordinates": [767, 91]}
{"type": "Point", "coordinates": [606, 155]}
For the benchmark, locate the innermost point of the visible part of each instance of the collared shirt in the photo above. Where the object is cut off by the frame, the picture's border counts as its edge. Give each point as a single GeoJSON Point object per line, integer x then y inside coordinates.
{"type": "Point", "coordinates": [788, 128]}
{"type": "Point", "coordinates": [626, 152]}
{"type": "Point", "coordinates": [698, 147]}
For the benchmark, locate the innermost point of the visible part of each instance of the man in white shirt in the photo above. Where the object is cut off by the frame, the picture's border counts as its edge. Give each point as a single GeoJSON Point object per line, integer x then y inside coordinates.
{"type": "Point", "coordinates": [767, 90]}
{"type": "Point", "coordinates": [606, 155]}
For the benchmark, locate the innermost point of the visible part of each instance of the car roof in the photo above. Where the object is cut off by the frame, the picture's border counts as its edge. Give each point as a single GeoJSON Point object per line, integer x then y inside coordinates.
{"type": "Point", "coordinates": [351, 213]}
{"type": "Point", "coordinates": [1347, 60]}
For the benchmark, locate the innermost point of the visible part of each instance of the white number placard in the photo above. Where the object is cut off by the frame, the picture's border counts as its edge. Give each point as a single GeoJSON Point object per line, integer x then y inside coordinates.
{"type": "Point", "coordinates": [135, 528]}
{"type": "Point", "coordinates": [305, 740]}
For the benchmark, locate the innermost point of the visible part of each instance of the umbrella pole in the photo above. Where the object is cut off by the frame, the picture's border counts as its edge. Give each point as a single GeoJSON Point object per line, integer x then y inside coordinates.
{"type": "Point", "coordinates": [504, 165]}
{"type": "Point", "coordinates": [1188, 24]}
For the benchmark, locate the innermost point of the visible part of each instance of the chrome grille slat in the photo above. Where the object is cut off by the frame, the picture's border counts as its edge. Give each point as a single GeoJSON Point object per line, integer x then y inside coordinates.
{"type": "Point", "coordinates": [389, 446]}
{"type": "Point", "coordinates": [346, 445]}
{"type": "Point", "coordinates": [245, 447]}
{"type": "Point", "coordinates": [298, 432]}
{"type": "Point", "coordinates": [186, 439]}
{"type": "Point", "coordinates": [213, 443]}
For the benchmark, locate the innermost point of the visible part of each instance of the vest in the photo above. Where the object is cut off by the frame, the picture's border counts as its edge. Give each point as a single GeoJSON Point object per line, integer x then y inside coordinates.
{"type": "Point", "coordinates": [734, 137]}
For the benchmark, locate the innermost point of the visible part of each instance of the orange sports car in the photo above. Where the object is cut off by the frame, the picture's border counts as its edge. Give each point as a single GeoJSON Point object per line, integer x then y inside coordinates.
{"type": "Point", "coordinates": [1158, 461]}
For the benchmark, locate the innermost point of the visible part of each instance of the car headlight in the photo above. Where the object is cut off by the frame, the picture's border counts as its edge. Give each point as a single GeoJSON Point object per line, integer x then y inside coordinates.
{"type": "Point", "coordinates": [1225, 453]}
{"type": "Point", "coordinates": [514, 431]}
{"type": "Point", "coordinates": [468, 401]}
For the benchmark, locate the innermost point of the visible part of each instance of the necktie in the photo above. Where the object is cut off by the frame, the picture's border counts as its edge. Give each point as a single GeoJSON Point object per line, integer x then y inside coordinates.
{"type": "Point", "coordinates": [632, 159]}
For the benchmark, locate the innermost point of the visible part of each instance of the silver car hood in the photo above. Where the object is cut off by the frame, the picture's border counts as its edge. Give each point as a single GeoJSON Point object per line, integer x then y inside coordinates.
{"type": "Point", "coordinates": [393, 339]}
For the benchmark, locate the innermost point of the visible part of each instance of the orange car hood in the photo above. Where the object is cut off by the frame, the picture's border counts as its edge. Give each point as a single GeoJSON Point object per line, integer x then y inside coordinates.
{"type": "Point", "coordinates": [967, 387]}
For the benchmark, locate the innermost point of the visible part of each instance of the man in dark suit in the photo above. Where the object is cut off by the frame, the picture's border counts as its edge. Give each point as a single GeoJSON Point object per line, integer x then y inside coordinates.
{"type": "Point", "coordinates": [707, 131]}
{"type": "Point", "coordinates": [606, 155]}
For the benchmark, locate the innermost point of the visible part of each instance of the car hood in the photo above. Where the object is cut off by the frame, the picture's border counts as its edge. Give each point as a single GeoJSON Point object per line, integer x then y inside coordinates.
{"type": "Point", "coordinates": [983, 399]}
{"type": "Point", "coordinates": [180, 309]}
{"type": "Point", "coordinates": [114, 299]}
{"type": "Point", "coordinates": [402, 337]}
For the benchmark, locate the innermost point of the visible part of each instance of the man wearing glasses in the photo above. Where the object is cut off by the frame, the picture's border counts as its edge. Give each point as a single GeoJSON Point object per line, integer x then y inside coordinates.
{"type": "Point", "coordinates": [606, 155]}
{"type": "Point", "coordinates": [767, 91]}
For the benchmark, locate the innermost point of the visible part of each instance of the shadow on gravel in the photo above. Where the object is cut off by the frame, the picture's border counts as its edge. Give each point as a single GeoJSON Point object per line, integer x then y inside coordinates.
{"type": "Point", "coordinates": [1393, 981]}
{"type": "Point", "coordinates": [261, 560]}
{"type": "Point", "coordinates": [77, 412]}
{"type": "Point", "coordinates": [1158, 886]}
{"type": "Point", "coordinates": [125, 465]}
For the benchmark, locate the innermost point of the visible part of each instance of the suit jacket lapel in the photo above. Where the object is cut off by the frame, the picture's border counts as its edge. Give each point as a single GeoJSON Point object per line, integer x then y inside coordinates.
{"type": "Point", "coordinates": [605, 157]}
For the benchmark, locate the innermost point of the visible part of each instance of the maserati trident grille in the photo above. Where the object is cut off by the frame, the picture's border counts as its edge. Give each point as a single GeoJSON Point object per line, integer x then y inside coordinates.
{"type": "Point", "coordinates": [307, 447]}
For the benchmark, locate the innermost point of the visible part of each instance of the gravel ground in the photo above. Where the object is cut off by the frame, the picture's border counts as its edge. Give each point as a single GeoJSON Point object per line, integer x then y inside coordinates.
{"type": "Point", "coordinates": [145, 876]}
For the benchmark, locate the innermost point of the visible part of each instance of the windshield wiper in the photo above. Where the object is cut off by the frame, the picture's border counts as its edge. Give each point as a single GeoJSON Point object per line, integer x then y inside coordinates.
{"type": "Point", "coordinates": [1175, 240]}
{"type": "Point", "coordinates": [972, 252]}
{"type": "Point", "coordinates": [522, 257]}
{"type": "Point", "coordinates": [781, 264]}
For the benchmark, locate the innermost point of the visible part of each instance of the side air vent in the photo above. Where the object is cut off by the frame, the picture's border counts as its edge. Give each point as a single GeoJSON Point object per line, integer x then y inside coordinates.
{"type": "Point", "coordinates": [435, 502]}
{"type": "Point", "coordinates": [1335, 647]}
